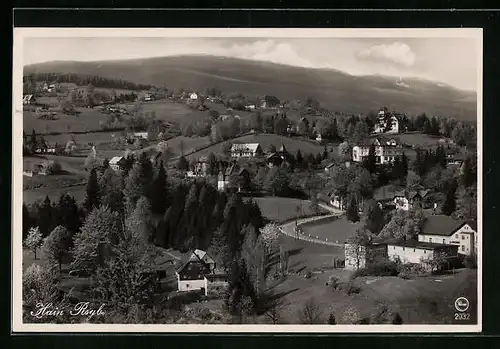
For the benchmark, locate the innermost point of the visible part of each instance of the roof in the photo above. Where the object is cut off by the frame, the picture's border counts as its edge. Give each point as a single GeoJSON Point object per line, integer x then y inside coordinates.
{"type": "Point", "coordinates": [252, 147]}
{"type": "Point", "coordinates": [417, 244]}
{"type": "Point", "coordinates": [116, 159]}
{"type": "Point", "coordinates": [330, 165]}
{"type": "Point", "coordinates": [199, 257]}
{"type": "Point", "coordinates": [441, 225]}
{"type": "Point", "coordinates": [387, 192]}
{"type": "Point", "coordinates": [202, 255]}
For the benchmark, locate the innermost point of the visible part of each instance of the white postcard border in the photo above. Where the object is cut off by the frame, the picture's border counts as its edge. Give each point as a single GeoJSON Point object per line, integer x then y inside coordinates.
{"type": "Point", "coordinates": [17, 177]}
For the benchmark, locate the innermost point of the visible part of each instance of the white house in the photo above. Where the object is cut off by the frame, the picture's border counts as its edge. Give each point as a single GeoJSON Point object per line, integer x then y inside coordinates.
{"type": "Point", "coordinates": [143, 135]}
{"type": "Point", "coordinates": [198, 272]}
{"type": "Point", "coordinates": [246, 150]}
{"type": "Point", "coordinates": [250, 107]}
{"type": "Point", "coordinates": [445, 230]}
{"type": "Point", "coordinates": [29, 99]}
{"type": "Point", "coordinates": [386, 150]}
{"type": "Point", "coordinates": [193, 96]}
{"type": "Point", "coordinates": [381, 124]}
{"type": "Point", "coordinates": [412, 251]}
{"type": "Point", "coordinates": [116, 163]}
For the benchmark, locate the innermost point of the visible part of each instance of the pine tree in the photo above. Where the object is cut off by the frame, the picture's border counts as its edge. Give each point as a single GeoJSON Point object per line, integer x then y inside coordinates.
{"type": "Point", "coordinates": [299, 160]}
{"type": "Point", "coordinates": [370, 162]}
{"type": "Point", "coordinates": [468, 177]}
{"type": "Point", "coordinates": [182, 164]}
{"type": "Point", "coordinates": [33, 142]}
{"type": "Point", "coordinates": [449, 204]}
{"type": "Point", "coordinates": [111, 191]}
{"type": "Point", "coordinates": [92, 199]}
{"type": "Point", "coordinates": [159, 192]}
{"type": "Point", "coordinates": [331, 319]}
{"type": "Point", "coordinates": [68, 214]}
{"type": "Point", "coordinates": [352, 211]}
{"type": "Point", "coordinates": [46, 217]}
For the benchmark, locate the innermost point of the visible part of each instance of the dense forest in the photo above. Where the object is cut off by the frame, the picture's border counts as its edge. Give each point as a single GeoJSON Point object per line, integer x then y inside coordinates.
{"type": "Point", "coordinates": [84, 80]}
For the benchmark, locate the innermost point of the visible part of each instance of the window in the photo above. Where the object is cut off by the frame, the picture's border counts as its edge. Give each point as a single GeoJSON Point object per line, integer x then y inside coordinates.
{"type": "Point", "coordinates": [463, 248]}
{"type": "Point", "coordinates": [187, 285]}
{"type": "Point", "coordinates": [413, 250]}
{"type": "Point", "coordinates": [425, 251]}
{"type": "Point", "coordinates": [463, 237]}
{"type": "Point", "coordinates": [403, 248]}
{"type": "Point", "coordinates": [393, 247]}
{"type": "Point", "coordinates": [430, 239]}
{"type": "Point", "coordinates": [444, 241]}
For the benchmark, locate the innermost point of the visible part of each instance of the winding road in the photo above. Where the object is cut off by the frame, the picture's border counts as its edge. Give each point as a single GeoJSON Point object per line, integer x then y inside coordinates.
{"type": "Point", "coordinates": [289, 228]}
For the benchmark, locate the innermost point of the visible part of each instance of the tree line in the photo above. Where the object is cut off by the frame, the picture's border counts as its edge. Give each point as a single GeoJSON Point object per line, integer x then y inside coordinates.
{"type": "Point", "coordinates": [83, 80]}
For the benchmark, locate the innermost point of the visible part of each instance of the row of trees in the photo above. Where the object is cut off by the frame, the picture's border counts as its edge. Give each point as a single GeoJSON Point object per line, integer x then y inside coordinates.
{"type": "Point", "coordinates": [84, 80]}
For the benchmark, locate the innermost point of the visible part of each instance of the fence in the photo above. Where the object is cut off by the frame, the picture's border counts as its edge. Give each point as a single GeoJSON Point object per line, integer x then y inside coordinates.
{"type": "Point", "coordinates": [300, 235]}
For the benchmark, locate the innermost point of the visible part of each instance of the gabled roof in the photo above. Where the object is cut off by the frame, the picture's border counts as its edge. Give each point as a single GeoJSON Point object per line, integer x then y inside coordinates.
{"type": "Point", "coordinates": [115, 160]}
{"type": "Point", "coordinates": [199, 257]}
{"type": "Point", "coordinates": [441, 225]}
{"type": "Point", "coordinates": [387, 192]}
{"type": "Point", "coordinates": [251, 147]}
{"type": "Point", "coordinates": [472, 224]}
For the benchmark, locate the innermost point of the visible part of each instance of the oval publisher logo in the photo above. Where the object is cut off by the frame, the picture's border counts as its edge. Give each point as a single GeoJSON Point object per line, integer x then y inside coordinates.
{"type": "Point", "coordinates": [461, 304]}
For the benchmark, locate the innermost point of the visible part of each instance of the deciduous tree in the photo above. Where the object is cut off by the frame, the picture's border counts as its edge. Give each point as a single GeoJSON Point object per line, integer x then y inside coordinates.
{"type": "Point", "coordinates": [57, 244]}
{"type": "Point", "coordinates": [34, 240]}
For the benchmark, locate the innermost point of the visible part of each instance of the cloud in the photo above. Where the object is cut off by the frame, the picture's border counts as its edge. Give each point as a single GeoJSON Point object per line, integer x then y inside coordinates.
{"type": "Point", "coordinates": [396, 53]}
{"type": "Point", "coordinates": [271, 51]}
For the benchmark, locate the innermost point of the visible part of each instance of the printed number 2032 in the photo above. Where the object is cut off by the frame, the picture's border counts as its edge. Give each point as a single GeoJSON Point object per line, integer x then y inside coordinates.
{"type": "Point", "coordinates": [462, 316]}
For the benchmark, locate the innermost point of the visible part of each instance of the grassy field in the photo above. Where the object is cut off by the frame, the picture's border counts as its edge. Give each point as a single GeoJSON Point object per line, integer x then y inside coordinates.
{"type": "Point", "coordinates": [281, 209]}
{"type": "Point", "coordinates": [416, 139]}
{"type": "Point", "coordinates": [265, 140]}
{"type": "Point", "coordinates": [336, 229]}
{"type": "Point", "coordinates": [188, 144]}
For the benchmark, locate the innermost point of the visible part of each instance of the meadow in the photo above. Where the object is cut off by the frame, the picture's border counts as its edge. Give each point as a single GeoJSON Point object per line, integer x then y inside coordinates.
{"type": "Point", "coordinates": [265, 141]}
{"type": "Point", "coordinates": [334, 229]}
{"type": "Point", "coordinates": [281, 209]}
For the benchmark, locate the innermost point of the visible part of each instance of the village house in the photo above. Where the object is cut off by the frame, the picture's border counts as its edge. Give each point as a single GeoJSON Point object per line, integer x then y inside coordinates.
{"type": "Point", "coordinates": [381, 124]}
{"type": "Point", "coordinates": [446, 230]}
{"type": "Point", "coordinates": [363, 256]}
{"type": "Point", "coordinates": [149, 97]}
{"type": "Point", "coordinates": [334, 200]}
{"type": "Point", "coordinates": [199, 272]}
{"type": "Point", "coordinates": [386, 150]}
{"type": "Point", "coordinates": [280, 157]}
{"type": "Point", "coordinates": [393, 197]}
{"type": "Point", "coordinates": [29, 100]}
{"type": "Point", "coordinates": [200, 168]}
{"type": "Point", "coordinates": [416, 252]}
{"type": "Point", "coordinates": [142, 134]}
{"type": "Point", "coordinates": [246, 150]}
{"type": "Point", "coordinates": [223, 178]}
{"type": "Point", "coordinates": [270, 102]}
{"type": "Point", "coordinates": [116, 163]}
{"type": "Point", "coordinates": [193, 96]}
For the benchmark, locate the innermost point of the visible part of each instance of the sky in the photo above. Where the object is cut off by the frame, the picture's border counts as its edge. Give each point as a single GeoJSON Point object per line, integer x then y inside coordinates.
{"type": "Point", "coordinates": [451, 61]}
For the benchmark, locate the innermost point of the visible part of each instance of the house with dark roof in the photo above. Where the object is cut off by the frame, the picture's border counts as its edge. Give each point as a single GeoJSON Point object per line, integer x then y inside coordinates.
{"type": "Point", "coordinates": [417, 252]}
{"type": "Point", "coordinates": [390, 196]}
{"type": "Point", "coordinates": [198, 272]}
{"type": "Point", "coordinates": [280, 157]}
{"type": "Point", "coordinates": [382, 120]}
{"type": "Point", "coordinates": [446, 230]}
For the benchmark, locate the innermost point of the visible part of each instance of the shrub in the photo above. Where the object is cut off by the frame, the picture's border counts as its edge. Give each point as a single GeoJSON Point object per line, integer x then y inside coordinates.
{"type": "Point", "coordinates": [333, 282]}
{"type": "Point", "coordinates": [471, 261]}
{"type": "Point", "coordinates": [350, 288]}
{"type": "Point", "coordinates": [386, 268]}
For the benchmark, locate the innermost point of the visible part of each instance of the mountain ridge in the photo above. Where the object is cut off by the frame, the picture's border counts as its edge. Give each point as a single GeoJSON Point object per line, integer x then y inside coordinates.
{"type": "Point", "coordinates": [335, 89]}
